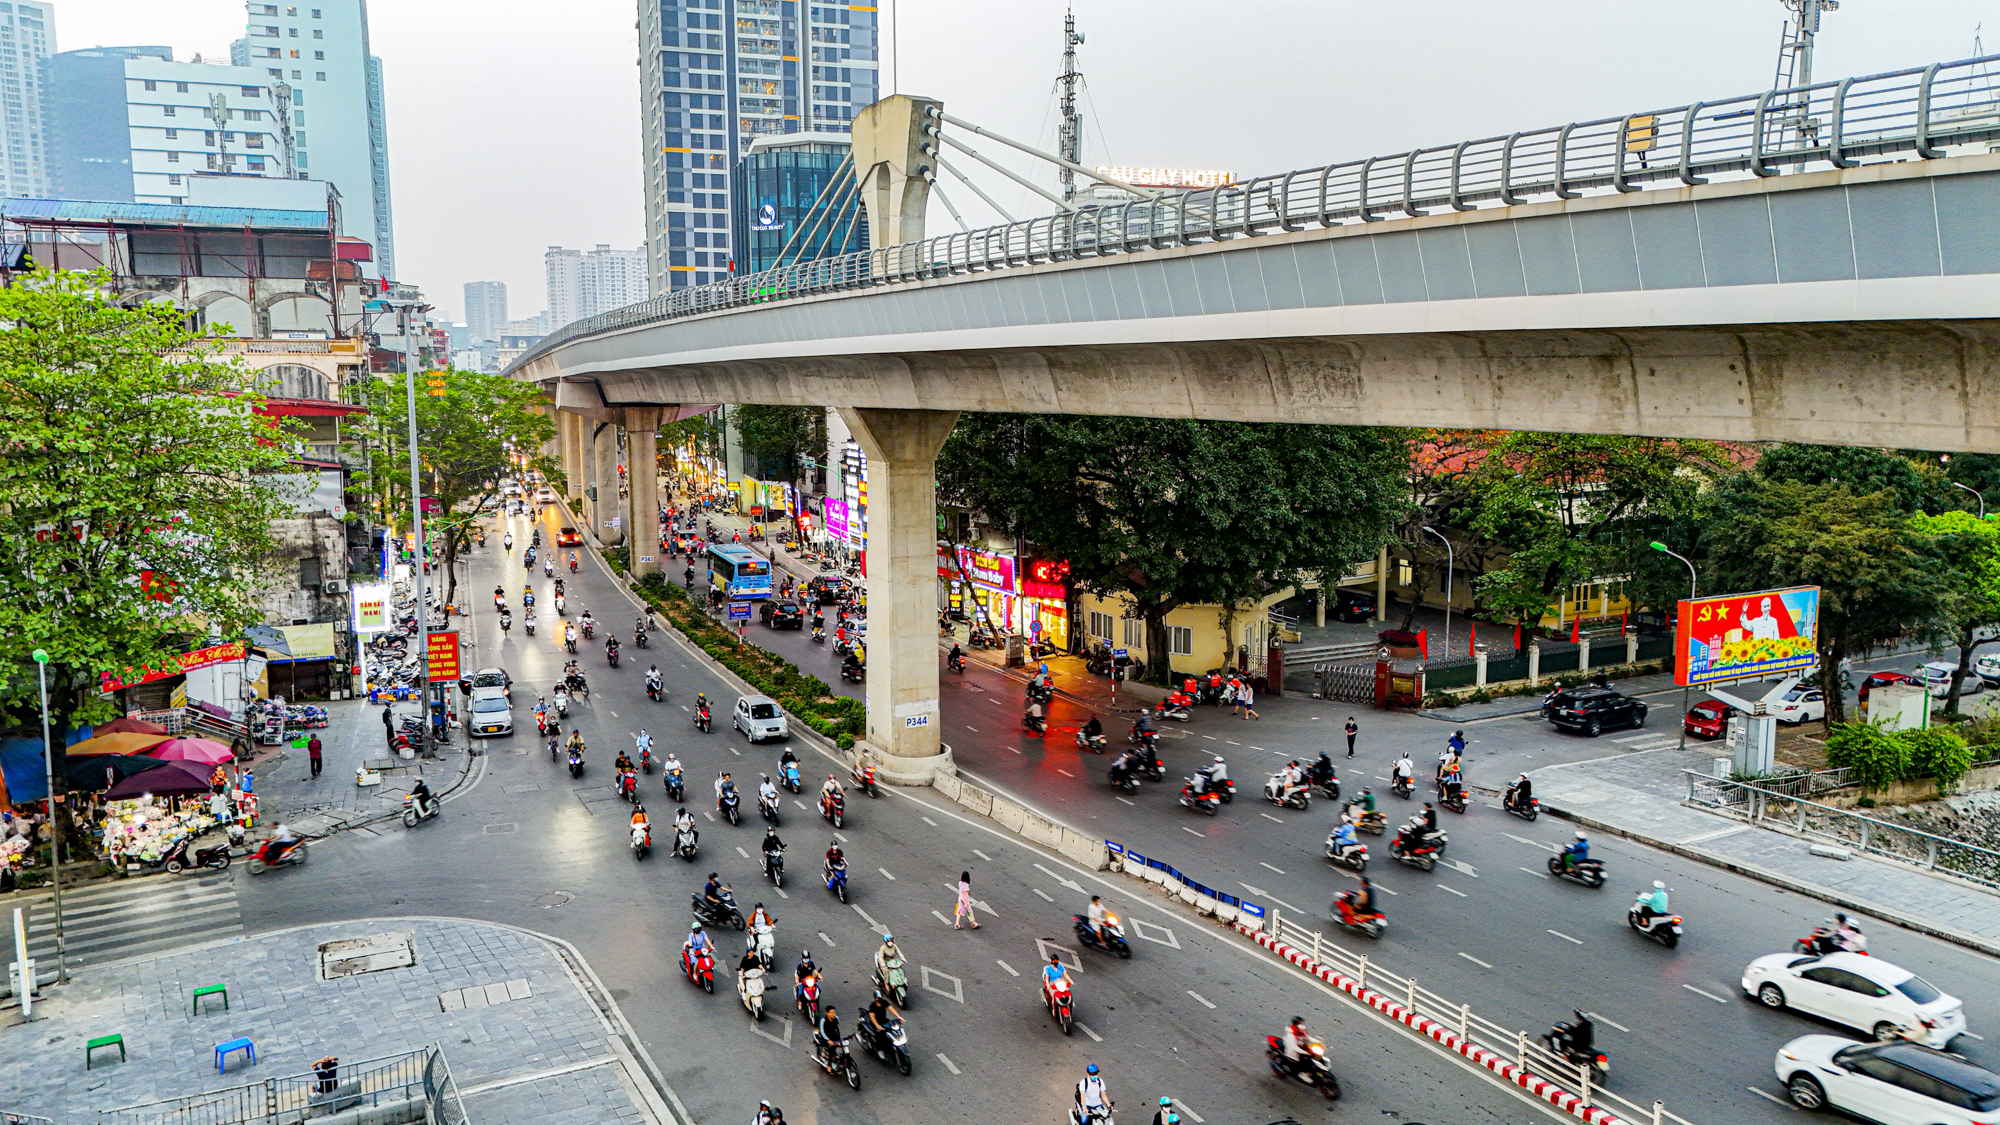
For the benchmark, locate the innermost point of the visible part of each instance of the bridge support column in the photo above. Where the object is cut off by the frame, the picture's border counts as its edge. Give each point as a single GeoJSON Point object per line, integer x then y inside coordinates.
{"type": "Point", "coordinates": [903, 720]}
{"type": "Point", "coordinates": [569, 434]}
{"type": "Point", "coordinates": [642, 474]}
{"type": "Point", "coordinates": [604, 474]}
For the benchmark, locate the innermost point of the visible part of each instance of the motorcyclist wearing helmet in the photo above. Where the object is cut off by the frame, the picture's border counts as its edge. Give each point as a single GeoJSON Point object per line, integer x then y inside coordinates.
{"type": "Point", "coordinates": [1092, 1101]}
{"type": "Point", "coordinates": [879, 1013]}
{"type": "Point", "coordinates": [1519, 793]}
{"type": "Point", "coordinates": [767, 791]}
{"type": "Point", "coordinates": [1576, 852]}
{"type": "Point", "coordinates": [697, 942]}
{"type": "Point", "coordinates": [1166, 1114]}
{"type": "Point", "coordinates": [1296, 1039]}
{"type": "Point", "coordinates": [712, 893]}
{"type": "Point", "coordinates": [772, 846]}
{"type": "Point", "coordinates": [886, 953]}
{"type": "Point", "coordinates": [1654, 903]}
{"type": "Point", "coordinates": [835, 858]}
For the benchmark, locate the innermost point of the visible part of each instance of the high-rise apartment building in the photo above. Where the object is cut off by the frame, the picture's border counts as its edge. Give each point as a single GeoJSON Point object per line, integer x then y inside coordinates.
{"type": "Point", "coordinates": [583, 284]}
{"type": "Point", "coordinates": [27, 39]}
{"type": "Point", "coordinates": [89, 139]}
{"type": "Point", "coordinates": [783, 207]}
{"type": "Point", "coordinates": [320, 48]}
{"type": "Point", "coordinates": [485, 309]}
{"type": "Point", "coordinates": [715, 75]}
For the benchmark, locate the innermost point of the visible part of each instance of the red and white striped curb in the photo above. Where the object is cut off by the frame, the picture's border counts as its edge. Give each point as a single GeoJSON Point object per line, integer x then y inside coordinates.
{"type": "Point", "coordinates": [1447, 1037]}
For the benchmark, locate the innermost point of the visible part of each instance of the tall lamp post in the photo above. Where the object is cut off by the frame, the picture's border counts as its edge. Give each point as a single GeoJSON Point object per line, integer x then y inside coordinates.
{"type": "Point", "coordinates": [1945, 460]}
{"type": "Point", "coordinates": [425, 742]}
{"type": "Point", "coordinates": [1692, 582]}
{"type": "Point", "coordinates": [1449, 566]}
{"type": "Point", "coordinates": [55, 834]}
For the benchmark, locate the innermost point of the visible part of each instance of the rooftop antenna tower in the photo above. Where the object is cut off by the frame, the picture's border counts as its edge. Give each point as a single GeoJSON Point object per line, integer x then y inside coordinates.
{"type": "Point", "coordinates": [1795, 59]}
{"type": "Point", "coordinates": [1070, 140]}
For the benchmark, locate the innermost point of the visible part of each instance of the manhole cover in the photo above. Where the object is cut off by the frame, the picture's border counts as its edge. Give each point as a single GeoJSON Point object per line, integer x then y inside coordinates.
{"type": "Point", "coordinates": [552, 899]}
{"type": "Point", "coordinates": [354, 956]}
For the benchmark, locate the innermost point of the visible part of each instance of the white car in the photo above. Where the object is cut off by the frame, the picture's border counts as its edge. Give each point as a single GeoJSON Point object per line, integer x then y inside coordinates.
{"type": "Point", "coordinates": [1987, 665]}
{"type": "Point", "coordinates": [759, 717]}
{"type": "Point", "coordinates": [1936, 676]}
{"type": "Point", "coordinates": [545, 495]}
{"type": "Point", "coordinates": [1799, 705]}
{"type": "Point", "coordinates": [491, 713]}
{"type": "Point", "coordinates": [1893, 1083]}
{"type": "Point", "coordinates": [1858, 991]}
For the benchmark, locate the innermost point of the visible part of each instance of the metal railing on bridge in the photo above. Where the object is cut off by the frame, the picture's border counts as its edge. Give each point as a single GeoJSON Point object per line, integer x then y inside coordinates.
{"type": "Point", "coordinates": [1921, 110]}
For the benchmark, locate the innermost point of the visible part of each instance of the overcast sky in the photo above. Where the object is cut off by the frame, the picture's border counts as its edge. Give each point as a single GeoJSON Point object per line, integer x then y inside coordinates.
{"type": "Point", "coordinates": [514, 126]}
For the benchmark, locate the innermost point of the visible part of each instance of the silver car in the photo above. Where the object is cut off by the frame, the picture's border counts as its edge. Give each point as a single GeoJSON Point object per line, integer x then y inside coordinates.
{"type": "Point", "coordinates": [491, 713]}
{"type": "Point", "coordinates": [1936, 676]}
{"type": "Point", "coordinates": [759, 717]}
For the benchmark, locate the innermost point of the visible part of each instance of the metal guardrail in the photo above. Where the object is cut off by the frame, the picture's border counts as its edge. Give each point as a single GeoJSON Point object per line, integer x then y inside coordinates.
{"type": "Point", "coordinates": [419, 1075]}
{"type": "Point", "coordinates": [1920, 110]}
{"type": "Point", "coordinates": [1761, 804]}
{"type": "Point", "coordinates": [1525, 1051]}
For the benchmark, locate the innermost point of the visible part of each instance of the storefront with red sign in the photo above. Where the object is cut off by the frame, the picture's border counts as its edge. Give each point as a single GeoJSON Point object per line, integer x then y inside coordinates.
{"type": "Point", "coordinates": [1043, 601]}
{"type": "Point", "coordinates": [977, 586]}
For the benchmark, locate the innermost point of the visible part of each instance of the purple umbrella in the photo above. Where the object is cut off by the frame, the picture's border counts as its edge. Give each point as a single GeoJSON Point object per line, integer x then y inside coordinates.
{"type": "Point", "coordinates": [173, 779]}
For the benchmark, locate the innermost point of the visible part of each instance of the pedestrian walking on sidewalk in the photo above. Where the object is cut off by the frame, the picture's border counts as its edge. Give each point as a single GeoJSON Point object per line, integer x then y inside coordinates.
{"type": "Point", "coordinates": [388, 727]}
{"type": "Point", "coordinates": [313, 751]}
{"type": "Point", "coordinates": [964, 907]}
{"type": "Point", "coordinates": [1236, 697]}
{"type": "Point", "coordinates": [1248, 698]}
{"type": "Point", "coordinates": [1352, 730]}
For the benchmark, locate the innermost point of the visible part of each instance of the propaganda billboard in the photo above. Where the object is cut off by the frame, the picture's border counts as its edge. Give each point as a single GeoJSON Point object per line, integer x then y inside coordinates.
{"type": "Point", "coordinates": [443, 654]}
{"type": "Point", "coordinates": [1741, 636]}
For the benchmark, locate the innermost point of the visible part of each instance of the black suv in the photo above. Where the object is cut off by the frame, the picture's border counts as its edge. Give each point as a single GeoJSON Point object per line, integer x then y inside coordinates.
{"type": "Point", "coordinates": [1353, 605]}
{"type": "Point", "coordinates": [828, 588]}
{"type": "Point", "coordinates": [1591, 709]}
{"type": "Point", "coordinates": [782, 615]}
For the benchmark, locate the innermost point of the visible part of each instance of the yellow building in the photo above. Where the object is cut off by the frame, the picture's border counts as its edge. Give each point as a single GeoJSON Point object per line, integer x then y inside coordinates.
{"type": "Point", "coordinates": [1199, 637]}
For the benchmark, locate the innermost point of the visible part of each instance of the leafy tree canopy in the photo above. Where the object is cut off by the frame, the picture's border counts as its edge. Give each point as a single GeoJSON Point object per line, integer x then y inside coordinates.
{"type": "Point", "coordinates": [1915, 486]}
{"type": "Point", "coordinates": [133, 500]}
{"type": "Point", "coordinates": [780, 437]}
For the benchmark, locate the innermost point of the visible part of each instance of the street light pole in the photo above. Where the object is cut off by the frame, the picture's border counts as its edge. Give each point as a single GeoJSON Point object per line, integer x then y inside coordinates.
{"type": "Point", "coordinates": [55, 834]}
{"type": "Point", "coordinates": [1975, 496]}
{"type": "Point", "coordinates": [417, 555]}
{"type": "Point", "coordinates": [1449, 566]}
{"type": "Point", "coordinates": [1693, 580]}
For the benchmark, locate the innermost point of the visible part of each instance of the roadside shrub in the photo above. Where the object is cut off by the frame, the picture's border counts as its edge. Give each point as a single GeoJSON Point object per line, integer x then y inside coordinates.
{"type": "Point", "coordinates": [1440, 699]}
{"type": "Point", "coordinates": [1480, 696]}
{"type": "Point", "coordinates": [1939, 752]}
{"type": "Point", "coordinates": [1876, 756]}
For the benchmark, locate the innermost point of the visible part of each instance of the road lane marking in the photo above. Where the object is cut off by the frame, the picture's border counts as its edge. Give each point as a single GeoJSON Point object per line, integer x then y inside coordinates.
{"type": "Point", "coordinates": [1198, 1118]}
{"type": "Point", "coordinates": [735, 751]}
{"type": "Point", "coordinates": [1476, 961]}
{"type": "Point", "coordinates": [957, 987]}
{"type": "Point", "coordinates": [1044, 894]}
{"type": "Point", "coordinates": [614, 714]}
{"type": "Point", "coordinates": [947, 1064]}
{"type": "Point", "coordinates": [974, 730]}
{"type": "Point", "coordinates": [1203, 1000]}
{"type": "Point", "coordinates": [1969, 1035]}
{"type": "Point", "coordinates": [1116, 797]}
{"type": "Point", "coordinates": [885, 874]}
{"type": "Point", "coordinates": [1601, 1019]}
{"type": "Point", "coordinates": [1232, 742]}
{"type": "Point", "coordinates": [1459, 866]}
{"type": "Point", "coordinates": [741, 852]}
{"type": "Point", "coordinates": [709, 815]}
{"type": "Point", "coordinates": [1771, 1097]}
{"type": "Point", "coordinates": [982, 855]}
{"type": "Point", "coordinates": [1577, 941]}
{"type": "Point", "coordinates": [1203, 835]}
{"type": "Point", "coordinates": [826, 939]}
{"type": "Point", "coordinates": [1094, 1037]}
{"type": "Point", "coordinates": [929, 821]}
{"type": "Point", "coordinates": [941, 917]}
{"type": "Point", "coordinates": [1530, 843]}
{"type": "Point", "coordinates": [1140, 926]}
{"type": "Point", "coordinates": [1262, 893]}
{"type": "Point", "coordinates": [872, 923]}
{"type": "Point", "coordinates": [1279, 870]}
{"type": "Point", "coordinates": [1067, 884]}
{"type": "Point", "coordinates": [1699, 992]}
{"type": "Point", "coordinates": [1211, 738]}
{"type": "Point", "coordinates": [801, 806]}
{"type": "Point", "coordinates": [1065, 773]}
{"type": "Point", "coordinates": [1386, 890]}
{"type": "Point", "coordinates": [1260, 748]}
{"type": "Point", "coordinates": [1268, 816]}
{"type": "Point", "coordinates": [1453, 890]}
{"type": "Point", "coordinates": [1536, 874]}
{"type": "Point", "coordinates": [839, 837]}
{"type": "Point", "coordinates": [1015, 749]}
{"type": "Point", "coordinates": [781, 892]}
{"type": "Point", "coordinates": [1009, 968]}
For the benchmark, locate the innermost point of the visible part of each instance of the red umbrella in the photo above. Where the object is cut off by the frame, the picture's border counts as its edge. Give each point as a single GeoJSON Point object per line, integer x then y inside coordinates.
{"type": "Point", "coordinates": [131, 726]}
{"type": "Point", "coordinates": [203, 751]}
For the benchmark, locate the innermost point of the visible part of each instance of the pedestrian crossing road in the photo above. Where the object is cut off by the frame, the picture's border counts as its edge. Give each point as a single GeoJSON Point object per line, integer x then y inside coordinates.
{"type": "Point", "coordinates": [112, 921]}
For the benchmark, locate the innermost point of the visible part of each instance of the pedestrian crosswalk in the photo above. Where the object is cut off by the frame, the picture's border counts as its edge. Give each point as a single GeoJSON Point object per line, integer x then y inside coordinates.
{"type": "Point", "coordinates": [107, 922]}
{"type": "Point", "coordinates": [1649, 740]}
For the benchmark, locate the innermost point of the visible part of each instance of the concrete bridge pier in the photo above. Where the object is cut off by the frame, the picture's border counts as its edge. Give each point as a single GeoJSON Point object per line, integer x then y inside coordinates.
{"type": "Point", "coordinates": [642, 474]}
{"type": "Point", "coordinates": [904, 735]}
{"type": "Point", "coordinates": [603, 456]}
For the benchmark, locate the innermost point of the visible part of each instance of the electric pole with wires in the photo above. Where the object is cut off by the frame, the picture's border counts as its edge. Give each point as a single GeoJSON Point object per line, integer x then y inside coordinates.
{"type": "Point", "coordinates": [1070, 145]}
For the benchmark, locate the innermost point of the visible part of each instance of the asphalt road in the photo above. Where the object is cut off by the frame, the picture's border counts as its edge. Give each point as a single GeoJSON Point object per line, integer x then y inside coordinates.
{"type": "Point", "coordinates": [1492, 930]}
{"type": "Point", "coordinates": [527, 845]}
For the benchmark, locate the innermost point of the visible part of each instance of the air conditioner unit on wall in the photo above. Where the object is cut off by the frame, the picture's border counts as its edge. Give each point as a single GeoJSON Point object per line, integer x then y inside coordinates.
{"type": "Point", "coordinates": [335, 586]}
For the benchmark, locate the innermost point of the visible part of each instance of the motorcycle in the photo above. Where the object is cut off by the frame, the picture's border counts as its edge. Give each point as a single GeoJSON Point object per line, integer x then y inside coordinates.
{"type": "Point", "coordinates": [729, 806]}
{"type": "Point", "coordinates": [836, 879]}
{"type": "Point", "coordinates": [569, 642]}
{"type": "Point", "coordinates": [1274, 792]}
{"type": "Point", "coordinates": [1150, 765]}
{"type": "Point", "coordinates": [576, 763]}
{"type": "Point", "coordinates": [1402, 786]}
{"type": "Point", "coordinates": [654, 691]}
{"type": "Point", "coordinates": [863, 778]}
{"type": "Point", "coordinates": [684, 843]}
{"type": "Point", "coordinates": [589, 628]}
{"type": "Point", "coordinates": [415, 814]}
{"type": "Point", "coordinates": [852, 673]}
{"type": "Point", "coordinates": [1573, 1040]}
{"type": "Point", "coordinates": [750, 989]}
{"type": "Point", "coordinates": [1112, 940]}
{"type": "Point", "coordinates": [1310, 1068]}
{"type": "Point", "coordinates": [1826, 939]}
{"type": "Point", "coordinates": [1123, 779]}
{"type": "Point", "coordinates": [806, 996]}
{"type": "Point", "coordinates": [1057, 998]}
{"type": "Point", "coordinates": [774, 868]}
{"type": "Point", "coordinates": [177, 859]}
{"type": "Point", "coordinates": [562, 705]}
{"type": "Point", "coordinates": [646, 761]}
{"type": "Point", "coordinates": [1373, 823]}
{"type": "Point", "coordinates": [1034, 724]}
{"type": "Point", "coordinates": [628, 786]}
{"type": "Point", "coordinates": [1584, 872]}
{"type": "Point", "coordinates": [1170, 711]}
{"type": "Point", "coordinates": [957, 665]}
{"type": "Point", "coordinates": [1663, 928]}
{"type": "Point", "coordinates": [1423, 856]}
{"type": "Point", "coordinates": [763, 941]}
{"type": "Point", "coordinates": [837, 1060]}
{"type": "Point", "coordinates": [1327, 786]}
{"type": "Point", "coordinates": [833, 807]}
{"type": "Point", "coordinates": [718, 914]}
{"type": "Point", "coordinates": [676, 787]}
{"type": "Point", "coordinates": [701, 718]}
{"type": "Point", "coordinates": [768, 807]}
{"type": "Point", "coordinates": [1527, 810]}
{"type": "Point", "coordinates": [1353, 855]}
{"type": "Point", "coordinates": [611, 655]}
{"type": "Point", "coordinates": [699, 968]}
{"type": "Point", "coordinates": [271, 854]}
{"type": "Point", "coordinates": [529, 624]}
{"type": "Point", "coordinates": [1451, 796]}
{"type": "Point", "coordinates": [639, 639]}
{"type": "Point", "coordinates": [642, 841]}
{"type": "Point", "coordinates": [1209, 802]}
{"type": "Point", "coordinates": [895, 984]}
{"type": "Point", "coordinates": [1092, 742]}
{"type": "Point", "coordinates": [1370, 924]}
{"type": "Point", "coordinates": [891, 1044]}
{"type": "Point", "coordinates": [790, 773]}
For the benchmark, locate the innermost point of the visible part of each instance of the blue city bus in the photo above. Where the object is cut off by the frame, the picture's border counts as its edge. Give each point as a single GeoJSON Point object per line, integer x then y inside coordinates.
{"type": "Point", "coordinates": [737, 572]}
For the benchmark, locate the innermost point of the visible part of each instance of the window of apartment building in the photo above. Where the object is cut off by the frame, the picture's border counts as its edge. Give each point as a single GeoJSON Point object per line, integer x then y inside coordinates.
{"type": "Point", "coordinates": [295, 54]}
{"type": "Point", "coordinates": [253, 140]}
{"type": "Point", "coordinates": [265, 31]}
{"type": "Point", "coordinates": [1404, 575]}
{"type": "Point", "coordinates": [166, 111]}
{"type": "Point", "coordinates": [319, 56]}
{"type": "Point", "coordinates": [173, 158]}
{"type": "Point", "coordinates": [173, 134]}
{"type": "Point", "coordinates": [252, 91]}
{"type": "Point", "coordinates": [180, 87]}
{"type": "Point", "coordinates": [263, 9]}
{"type": "Point", "coordinates": [1100, 626]}
{"type": "Point", "coordinates": [319, 76]}
{"type": "Point", "coordinates": [208, 136]}
{"type": "Point", "coordinates": [318, 34]}
{"type": "Point", "coordinates": [152, 85]}
{"type": "Point", "coordinates": [295, 74]}
{"type": "Point", "coordinates": [315, 13]}
{"type": "Point", "coordinates": [256, 164]}
{"type": "Point", "coordinates": [173, 179]}
{"type": "Point", "coordinates": [1135, 633]}
{"type": "Point", "coordinates": [1180, 640]}
{"type": "Point", "coordinates": [211, 160]}
{"type": "Point", "coordinates": [292, 32]}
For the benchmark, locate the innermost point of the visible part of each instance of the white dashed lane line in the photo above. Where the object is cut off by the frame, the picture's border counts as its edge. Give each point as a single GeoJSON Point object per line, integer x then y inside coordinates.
{"type": "Point", "coordinates": [1453, 890]}
{"type": "Point", "coordinates": [1476, 961]}
{"type": "Point", "coordinates": [1701, 992]}
{"type": "Point", "coordinates": [1094, 1037]}
{"type": "Point", "coordinates": [1279, 870]}
{"type": "Point", "coordinates": [948, 1065]}
{"type": "Point", "coordinates": [1009, 968]}
{"type": "Point", "coordinates": [982, 855]}
{"type": "Point", "coordinates": [1566, 937]}
{"type": "Point", "coordinates": [885, 874]}
{"type": "Point", "coordinates": [1045, 897]}
{"type": "Point", "coordinates": [1202, 1000]}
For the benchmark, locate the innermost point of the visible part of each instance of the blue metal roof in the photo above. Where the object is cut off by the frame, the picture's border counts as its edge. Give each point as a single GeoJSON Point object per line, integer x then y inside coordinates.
{"type": "Point", "coordinates": [84, 211]}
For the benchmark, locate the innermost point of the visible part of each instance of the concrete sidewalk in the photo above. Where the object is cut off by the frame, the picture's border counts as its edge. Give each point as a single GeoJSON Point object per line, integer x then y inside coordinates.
{"type": "Point", "coordinates": [520, 1019]}
{"type": "Point", "coordinates": [287, 793]}
{"type": "Point", "coordinates": [1641, 796]}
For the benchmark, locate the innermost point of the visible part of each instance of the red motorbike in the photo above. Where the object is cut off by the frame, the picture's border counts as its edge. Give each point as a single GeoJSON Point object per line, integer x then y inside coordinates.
{"type": "Point", "coordinates": [864, 780]}
{"type": "Point", "coordinates": [808, 998]}
{"type": "Point", "coordinates": [699, 965]}
{"type": "Point", "coordinates": [1058, 999]}
{"type": "Point", "coordinates": [1209, 802]}
{"type": "Point", "coordinates": [628, 785]}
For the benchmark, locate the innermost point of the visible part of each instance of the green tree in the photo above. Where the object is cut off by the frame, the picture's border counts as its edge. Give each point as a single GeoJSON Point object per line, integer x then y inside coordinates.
{"type": "Point", "coordinates": [1969, 549]}
{"type": "Point", "coordinates": [133, 499]}
{"type": "Point", "coordinates": [1173, 512]}
{"type": "Point", "coordinates": [1939, 753]}
{"type": "Point", "coordinates": [1570, 508]}
{"type": "Point", "coordinates": [1877, 576]}
{"type": "Point", "coordinates": [1917, 486]}
{"type": "Point", "coordinates": [782, 437]}
{"type": "Point", "coordinates": [1877, 757]}
{"type": "Point", "coordinates": [466, 439]}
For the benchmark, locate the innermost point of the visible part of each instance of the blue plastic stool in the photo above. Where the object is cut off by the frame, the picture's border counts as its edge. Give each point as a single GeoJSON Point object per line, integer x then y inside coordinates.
{"type": "Point", "coordinates": [222, 1051]}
